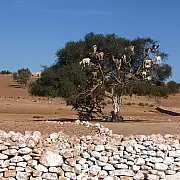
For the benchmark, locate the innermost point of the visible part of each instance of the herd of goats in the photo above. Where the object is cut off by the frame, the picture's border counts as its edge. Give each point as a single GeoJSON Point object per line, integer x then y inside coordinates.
{"type": "Point", "coordinates": [125, 58]}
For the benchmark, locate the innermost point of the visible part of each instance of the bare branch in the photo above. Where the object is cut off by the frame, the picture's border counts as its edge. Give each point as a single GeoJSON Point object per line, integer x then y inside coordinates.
{"type": "Point", "coordinates": [109, 95]}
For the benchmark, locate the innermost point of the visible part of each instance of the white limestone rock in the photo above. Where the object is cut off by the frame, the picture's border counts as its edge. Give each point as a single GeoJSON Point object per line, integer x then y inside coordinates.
{"type": "Point", "coordinates": [51, 158]}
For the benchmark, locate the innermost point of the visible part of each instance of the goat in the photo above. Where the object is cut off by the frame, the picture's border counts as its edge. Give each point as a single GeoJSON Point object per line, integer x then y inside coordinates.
{"type": "Point", "coordinates": [85, 61]}
{"type": "Point", "coordinates": [158, 59]}
{"type": "Point", "coordinates": [117, 62]}
{"type": "Point", "coordinates": [94, 49]}
{"type": "Point", "coordinates": [124, 58]}
{"type": "Point", "coordinates": [155, 48]}
{"type": "Point", "coordinates": [129, 50]}
{"type": "Point", "coordinates": [144, 73]}
{"type": "Point", "coordinates": [148, 63]}
{"type": "Point", "coordinates": [99, 55]}
{"type": "Point", "coordinates": [149, 78]}
{"type": "Point", "coordinates": [94, 74]}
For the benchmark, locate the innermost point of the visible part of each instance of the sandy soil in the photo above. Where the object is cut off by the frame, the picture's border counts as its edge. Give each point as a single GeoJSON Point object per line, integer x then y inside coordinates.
{"type": "Point", "coordinates": [21, 112]}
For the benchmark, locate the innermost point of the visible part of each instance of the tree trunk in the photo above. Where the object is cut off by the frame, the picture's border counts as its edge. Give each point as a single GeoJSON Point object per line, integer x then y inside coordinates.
{"type": "Point", "coordinates": [115, 114]}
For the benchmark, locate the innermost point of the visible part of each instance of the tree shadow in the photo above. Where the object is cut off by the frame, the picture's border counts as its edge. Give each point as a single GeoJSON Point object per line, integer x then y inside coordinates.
{"type": "Point", "coordinates": [93, 120]}
{"type": "Point", "coordinates": [54, 120]}
{"type": "Point", "coordinates": [169, 112]}
{"type": "Point", "coordinates": [127, 121]}
{"type": "Point", "coordinates": [15, 86]}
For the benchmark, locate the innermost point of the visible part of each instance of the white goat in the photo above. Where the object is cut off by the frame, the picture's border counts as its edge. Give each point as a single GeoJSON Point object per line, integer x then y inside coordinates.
{"type": "Point", "coordinates": [85, 61]}
{"type": "Point", "coordinates": [117, 62]}
{"type": "Point", "coordinates": [149, 78]}
{"type": "Point", "coordinates": [144, 73]}
{"type": "Point", "coordinates": [99, 55]}
{"type": "Point", "coordinates": [94, 49]}
{"type": "Point", "coordinates": [124, 58]}
{"type": "Point", "coordinates": [148, 63]}
{"type": "Point", "coordinates": [158, 59]}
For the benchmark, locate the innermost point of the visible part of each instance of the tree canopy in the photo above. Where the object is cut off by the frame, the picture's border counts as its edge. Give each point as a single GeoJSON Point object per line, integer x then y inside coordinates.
{"type": "Point", "coordinates": [22, 76]}
{"type": "Point", "coordinates": [117, 68]}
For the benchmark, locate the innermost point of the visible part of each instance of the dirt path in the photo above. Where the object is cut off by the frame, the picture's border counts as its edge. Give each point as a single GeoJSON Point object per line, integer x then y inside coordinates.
{"type": "Point", "coordinates": [24, 123]}
{"type": "Point", "coordinates": [145, 128]}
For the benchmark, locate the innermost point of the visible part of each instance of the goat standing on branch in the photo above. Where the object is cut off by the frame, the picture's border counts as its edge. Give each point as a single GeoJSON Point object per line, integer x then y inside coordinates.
{"type": "Point", "coordinates": [99, 55]}
{"type": "Point", "coordinates": [85, 61]}
{"type": "Point", "coordinates": [117, 62]}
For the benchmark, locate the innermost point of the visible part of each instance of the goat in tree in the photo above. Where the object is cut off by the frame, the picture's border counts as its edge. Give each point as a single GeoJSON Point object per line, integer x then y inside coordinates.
{"type": "Point", "coordinates": [94, 74]}
{"type": "Point", "coordinates": [99, 55]}
{"type": "Point", "coordinates": [85, 61]}
{"type": "Point", "coordinates": [148, 63]}
{"type": "Point", "coordinates": [117, 62]}
{"type": "Point", "coordinates": [128, 52]}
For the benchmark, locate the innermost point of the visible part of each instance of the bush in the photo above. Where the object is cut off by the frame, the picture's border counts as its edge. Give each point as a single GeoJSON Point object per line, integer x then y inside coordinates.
{"type": "Point", "coordinates": [151, 105]}
{"type": "Point", "coordinates": [5, 72]}
{"type": "Point", "coordinates": [129, 104]}
{"type": "Point", "coordinates": [22, 76]}
{"type": "Point", "coordinates": [146, 104]}
{"type": "Point", "coordinates": [173, 87]}
{"type": "Point", "coordinates": [141, 104]}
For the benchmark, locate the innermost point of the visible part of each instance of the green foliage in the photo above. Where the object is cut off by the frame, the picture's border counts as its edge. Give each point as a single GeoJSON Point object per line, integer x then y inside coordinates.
{"type": "Point", "coordinates": [129, 104]}
{"type": "Point", "coordinates": [159, 90]}
{"type": "Point", "coordinates": [5, 72]}
{"type": "Point", "coordinates": [141, 104]}
{"type": "Point", "coordinates": [148, 89]}
{"type": "Point", "coordinates": [58, 81]}
{"type": "Point", "coordinates": [161, 73]}
{"type": "Point", "coordinates": [151, 105]}
{"type": "Point", "coordinates": [22, 76]}
{"type": "Point", "coordinates": [173, 87]}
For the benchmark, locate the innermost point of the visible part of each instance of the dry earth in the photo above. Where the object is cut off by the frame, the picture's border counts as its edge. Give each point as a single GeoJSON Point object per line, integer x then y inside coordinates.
{"type": "Point", "coordinates": [21, 112]}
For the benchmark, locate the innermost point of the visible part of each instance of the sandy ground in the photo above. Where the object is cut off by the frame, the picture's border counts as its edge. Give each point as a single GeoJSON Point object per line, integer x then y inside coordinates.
{"type": "Point", "coordinates": [21, 112]}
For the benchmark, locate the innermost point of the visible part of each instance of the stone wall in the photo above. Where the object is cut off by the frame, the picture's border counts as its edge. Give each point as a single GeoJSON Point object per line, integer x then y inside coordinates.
{"type": "Point", "coordinates": [104, 156]}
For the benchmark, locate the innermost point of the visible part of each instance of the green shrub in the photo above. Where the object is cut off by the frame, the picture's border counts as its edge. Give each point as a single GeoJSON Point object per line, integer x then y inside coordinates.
{"type": "Point", "coordinates": [141, 104]}
{"type": "Point", "coordinates": [22, 76]}
{"type": "Point", "coordinates": [151, 105]}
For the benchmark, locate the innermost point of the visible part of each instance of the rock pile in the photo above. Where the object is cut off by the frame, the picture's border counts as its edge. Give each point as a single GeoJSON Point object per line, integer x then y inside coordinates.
{"type": "Point", "coordinates": [104, 156]}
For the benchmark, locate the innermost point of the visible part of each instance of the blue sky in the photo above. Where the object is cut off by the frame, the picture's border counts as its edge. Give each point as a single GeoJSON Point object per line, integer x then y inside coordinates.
{"type": "Point", "coordinates": [31, 31]}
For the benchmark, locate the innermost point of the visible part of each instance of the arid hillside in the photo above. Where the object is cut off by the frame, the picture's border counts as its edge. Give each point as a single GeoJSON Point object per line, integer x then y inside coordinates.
{"type": "Point", "coordinates": [9, 88]}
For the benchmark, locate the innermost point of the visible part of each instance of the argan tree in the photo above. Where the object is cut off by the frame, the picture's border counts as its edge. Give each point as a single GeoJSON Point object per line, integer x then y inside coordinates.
{"type": "Point", "coordinates": [22, 76]}
{"type": "Point", "coordinates": [89, 71]}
